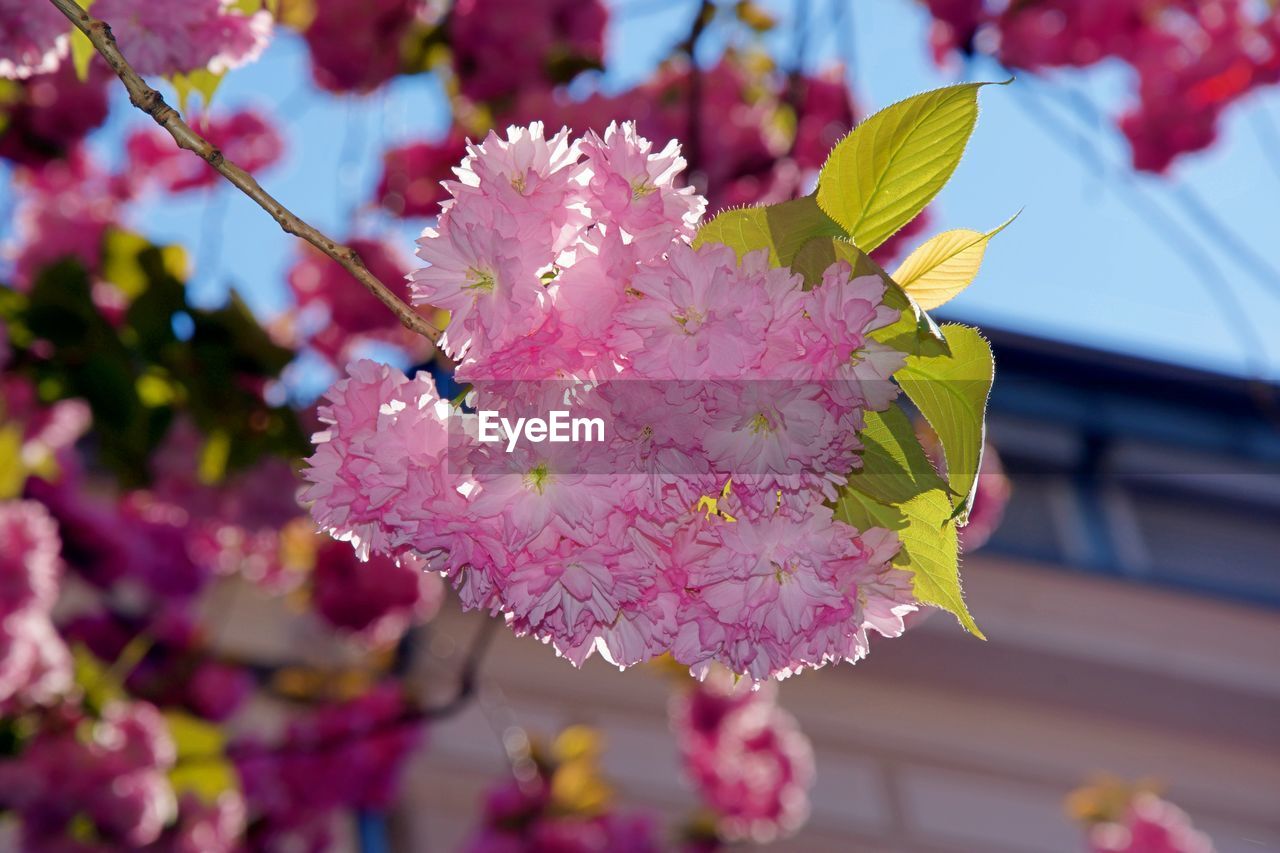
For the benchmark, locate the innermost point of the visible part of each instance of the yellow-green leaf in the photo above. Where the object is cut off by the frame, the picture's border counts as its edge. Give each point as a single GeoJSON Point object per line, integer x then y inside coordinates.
{"type": "Point", "coordinates": [782, 228]}
{"type": "Point", "coordinates": [929, 549]}
{"type": "Point", "coordinates": [202, 767]}
{"type": "Point", "coordinates": [200, 81]}
{"type": "Point", "coordinates": [214, 456]}
{"type": "Point", "coordinates": [99, 682]}
{"type": "Point", "coordinates": [945, 265]}
{"type": "Point", "coordinates": [894, 467]}
{"type": "Point", "coordinates": [890, 166]}
{"type": "Point", "coordinates": [951, 392]}
{"type": "Point", "coordinates": [13, 470]}
{"type": "Point", "coordinates": [82, 50]}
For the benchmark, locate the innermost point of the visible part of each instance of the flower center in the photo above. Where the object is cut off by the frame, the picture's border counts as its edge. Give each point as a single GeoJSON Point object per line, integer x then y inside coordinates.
{"type": "Point", "coordinates": [536, 479]}
{"type": "Point", "coordinates": [480, 279]}
{"type": "Point", "coordinates": [760, 424]}
{"type": "Point", "coordinates": [641, 188]}
{"type": "Point", "coordinates": [689, 316]}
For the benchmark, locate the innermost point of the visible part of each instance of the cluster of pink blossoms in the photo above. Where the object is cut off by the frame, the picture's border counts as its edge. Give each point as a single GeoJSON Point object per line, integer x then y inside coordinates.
{"type": "Point", "coordinates": [243, 137]}
{"type": "Point", "coordinates": [746, 757]}
{"type": "Point", "coordinates": [33, 38]}
{"type": "Point", "coordinates": [46, 115]}
{"type": "Point", "coordinates": [1192, 58]}
{"type": "Point", "coordinates": [345, 755]}
{"type": "Point", "coordinates": [524, 817]}
{"type": "Point", "coordinates": [34, 664]}
{"type": "Point", "coordinates": [1149, 825]}
{"type": "Point", "coordinates": [699, 526]}
{"type": "Point", "coordinates": [110, 772]}
{"type": "Point", "coordinates": [158, 38]}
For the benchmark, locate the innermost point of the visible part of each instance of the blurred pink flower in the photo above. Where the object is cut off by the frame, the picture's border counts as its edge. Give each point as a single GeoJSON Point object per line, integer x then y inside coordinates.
{"type": "Point", "coordinates": [351, 315]}
{"type": "Point", "coordinates": [412, 176]}
{"type": "Point", "coordinates": [66, 208]}
{"type": "Point", "coordinates": [34, 664]}
{"type": "Point", "coordinates": [33, 38]}
{"type": "Point", "coordinates": [501, 47]}
{"type": "Point", "coordinates": [111, 771]}
{"type": "Point", "coordinates": [176, 38]}
{"type": "Point", "coordinates": [355, 44]}
{"type": "Point", "coordinates": [746, 757]}
{"type": "Point", "coordinates": [1150, 825]}
{"type": "Point", "coordinates": [378, 599]}
{"type": "Point", "coordinates": [343, 756]}
{"type": "Point", "coordinates": [244, 137]}
{"type": "Point", "coordinates": [52, 113]}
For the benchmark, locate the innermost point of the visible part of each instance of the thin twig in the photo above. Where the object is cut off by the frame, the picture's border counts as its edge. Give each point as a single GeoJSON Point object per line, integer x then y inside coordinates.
{"type": "Point", "coordinates": [793, 95]}
{"type": "Point", "coordinates": [469, 675]}
{"type": "Point", "coordinates": [409, 717]}
{"type": "Point", "coordinates": [1183, 241]}
{"type": "Point", "coordinates": [153, 104]}
{"type": "Point", "coordinates": [693, 131]}
{"type": "Point", "coordinates": [1192, 204]}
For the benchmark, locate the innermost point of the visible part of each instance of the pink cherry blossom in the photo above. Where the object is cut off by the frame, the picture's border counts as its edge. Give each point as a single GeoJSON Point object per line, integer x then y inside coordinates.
{"type": "Point", "coordinates": [502, 46]}
{"type": "Point", "coordinates": [381, 425]}
{"type": "Point", "coordinates": [633, 189]}
{"type": "Point", "coordinates": [244, 137]}
{"type": "Point", "coordinates": [111, 771]}
{"type": "Point", "coordinates": [34, 664]}
{"type": "Point", "coordinates": [527, 186]}
{"type": "Point", "coordinates": [355, 44]}
{"type": "Point", "coordinates": [33, 38]}
{"type": "Point", "coordinates": [699, 315]}
{"type": "Point", "coordinates": [746, 757]}
{"type": "Point", "coordinates": [53, 112]}
{"type": "Point", "coordinates": [378, 599]}
{"type": "Point", "coordinates": [67, 207]}
{"type": "Point", "coordinates": [175, 38]}
{"type": "Point", "coordinates": [492, 289]}
{"type": "Point", "coordinates": [1149, 825]}
{"type": "Point", "coordinates": [412, 178]}
{"type": "Point", "coordinates": [732, 398]}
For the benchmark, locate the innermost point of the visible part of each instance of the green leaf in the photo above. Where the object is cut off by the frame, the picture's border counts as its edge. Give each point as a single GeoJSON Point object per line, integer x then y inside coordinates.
{"type": "Point", "coordinates": [96, 680]}
{"type": "Point", "coordinates": [783, 229]}
{"type": "Point", "coordinates": [929, 549]}
{"type": "Point", "coordinates": [212, 467]}
{"type": "Point", "coordinates": [751, 14]}
{"type": "Point", "coordinates": [951, 392]}
{"type": "Point", "coordinates": [82, 50]}
{"type": "Point", "coordinates": [914, 332]}
{"type": "Point", "coordinates": [891, 165]}
{"type": "Point", "coordinates": [895, 468]}
{"type": "Point", "coordinates": [123, 254]}
{"type": "Point", "coordinates": [13, 470]}
{"type": "Point", "coordinates": [944, 266]}
{"type": "Point", "coordinates": [202, 767]}
{"type": "Point", "coordinates": [200, 81]}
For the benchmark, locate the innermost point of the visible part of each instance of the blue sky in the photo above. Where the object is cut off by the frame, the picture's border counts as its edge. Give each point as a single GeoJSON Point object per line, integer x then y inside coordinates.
{"type": "Point", "coordinates": [1085, 262]}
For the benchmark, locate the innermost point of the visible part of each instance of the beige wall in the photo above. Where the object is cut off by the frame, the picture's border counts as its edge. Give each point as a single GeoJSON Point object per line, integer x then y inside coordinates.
{"type": "Point", "coordinates": [939, 742]}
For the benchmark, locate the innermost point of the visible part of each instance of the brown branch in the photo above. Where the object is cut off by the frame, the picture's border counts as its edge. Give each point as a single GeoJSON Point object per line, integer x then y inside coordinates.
{"type": "Point", "coordinates": [153, 104]}
{"type": "Point", "coordinates": [693, 130]}
{"type": "Point", "coordinates": [409, 717]}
